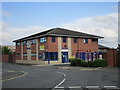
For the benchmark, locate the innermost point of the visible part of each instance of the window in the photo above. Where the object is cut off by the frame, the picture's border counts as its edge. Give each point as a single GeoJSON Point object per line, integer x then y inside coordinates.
{"type": "Point", "coordinates": [53, 39]}
{"type": "Point", "coordinates": [64, 39]}
{"type": "Point", "coordinates": [33, 54]}
{"type": "Point", "coordinates": [43, 40]}
{"type": "Point", "coordinates": [40, 55]}
{"type": "Point", "coordinates": [24, 54]}
{"type": "Point", "coordinates": [24, 43]}
{"type": "Point", "coordinates": [51, 55]}
{"type": "Point", "coordinates": [94, 40]}
{"type": "Point", "coordinates": [18, 43]}
{"type": "Point", "coordinates": [33, 41]}
{"type": "Point", "coordinates": [85, 40]}
{"type": "Point", "coordinates": [18, 54]}
{"type": "Point", "coordinates": [65, 46]}
{"type": "Point", "coordinates": [46, 56]}
{"type": "Point", "coordinates": [75, 40]}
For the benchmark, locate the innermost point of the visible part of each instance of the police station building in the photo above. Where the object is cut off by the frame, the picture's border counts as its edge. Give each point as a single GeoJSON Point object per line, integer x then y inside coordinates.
{"type": "Point", "coordinates": [56, 45]}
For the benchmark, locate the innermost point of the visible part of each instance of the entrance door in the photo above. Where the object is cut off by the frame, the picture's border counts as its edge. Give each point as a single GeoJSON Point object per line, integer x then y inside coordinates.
{"type": "Point", "coordinates": [65, 57]}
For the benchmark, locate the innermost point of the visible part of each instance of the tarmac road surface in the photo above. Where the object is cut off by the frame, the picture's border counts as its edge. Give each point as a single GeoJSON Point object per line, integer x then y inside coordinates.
{"type": "Point", "coordinates": [61, 77]}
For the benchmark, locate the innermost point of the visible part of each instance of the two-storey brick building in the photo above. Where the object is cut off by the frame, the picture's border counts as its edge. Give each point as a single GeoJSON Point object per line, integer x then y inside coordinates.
{"type": "Point", "coordinates": [56, 45]}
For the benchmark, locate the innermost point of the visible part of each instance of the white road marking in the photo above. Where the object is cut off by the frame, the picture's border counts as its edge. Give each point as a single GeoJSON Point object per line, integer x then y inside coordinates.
{"type": "Point", "coordinates": [75, 87]}
{"type": "Point", "coordinates": [25, 73]}
{"type": "Point", "coordinates": [57, 86]}
{"type": "Point", "coordinates": [61, 73]}
{"type": "Point", "coordinates": [60, 87]}
{"type": "Point", "coordinates": [111, 87]}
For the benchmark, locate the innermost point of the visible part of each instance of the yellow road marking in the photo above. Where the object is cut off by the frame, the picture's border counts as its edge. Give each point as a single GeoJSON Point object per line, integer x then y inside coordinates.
{"type": "Point", "coordinates": [90, 69]}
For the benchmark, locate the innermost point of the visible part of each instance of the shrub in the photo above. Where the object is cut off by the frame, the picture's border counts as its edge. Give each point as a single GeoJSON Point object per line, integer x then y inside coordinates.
{"type": "Point", "coordinates": [90, 63]}
{"type": "Point", "coordinates": [75, 61]}
{"type": "Point", "coordinates": [99, 63]}
{"type": "Point", "coordinates": [84, 63]}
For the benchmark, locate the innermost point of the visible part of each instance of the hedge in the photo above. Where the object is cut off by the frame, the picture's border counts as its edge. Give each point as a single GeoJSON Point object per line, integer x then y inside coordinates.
{"type": "Point", "coordinates": [83, 63]}
{"type": "Point", "coordinates": [100, 63]}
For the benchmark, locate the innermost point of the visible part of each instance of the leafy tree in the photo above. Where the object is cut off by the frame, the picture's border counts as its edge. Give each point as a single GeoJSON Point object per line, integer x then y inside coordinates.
{"type": "Point", "coordinates": [118, 48]}
{"type": "Point", "coordinates": [6, 50]}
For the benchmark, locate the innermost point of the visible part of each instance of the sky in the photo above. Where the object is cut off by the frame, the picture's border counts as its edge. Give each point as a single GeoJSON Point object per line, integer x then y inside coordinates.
{"type": "Point", "coordinates": [20, 19]}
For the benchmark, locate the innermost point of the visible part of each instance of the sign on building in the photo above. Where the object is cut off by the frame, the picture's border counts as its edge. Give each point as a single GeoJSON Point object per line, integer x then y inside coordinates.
{"type": "Point", "coordinates": [42, 47]}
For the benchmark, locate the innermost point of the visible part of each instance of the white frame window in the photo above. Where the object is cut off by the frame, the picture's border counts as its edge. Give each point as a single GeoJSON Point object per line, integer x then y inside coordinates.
{"type": "Point", "coordinates": [85, 40]}
{"type": "Point", "coordinates": [43, 40]}
{"type": "Point", "coordinates": [18, 44]}
{"type": "Point", "coordinates": [33, 54]}
{"type": "Point", "coordinates": [24, 43]}
{"type": "Point", "coordinates": [24, 54]}
{"type": "Point", "coordinates": [33, 41]}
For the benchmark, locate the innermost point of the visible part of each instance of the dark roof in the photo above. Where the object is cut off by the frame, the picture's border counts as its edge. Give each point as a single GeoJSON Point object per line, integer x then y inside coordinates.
{"type": "Point", "coordinates": [60, 32]}
{"type": "Point", "coordinates": [102, 47]}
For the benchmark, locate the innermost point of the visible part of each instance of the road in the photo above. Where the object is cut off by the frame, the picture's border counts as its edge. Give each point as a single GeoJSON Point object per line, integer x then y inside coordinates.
{"type": "Point", "coordinates": [61, 77]}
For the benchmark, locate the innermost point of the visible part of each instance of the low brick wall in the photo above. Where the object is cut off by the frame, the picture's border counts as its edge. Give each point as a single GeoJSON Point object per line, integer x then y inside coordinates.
{"type": "Point", "coordinates": [8, 58]}
{"type": "Point", "coordinates": [111, 57]}
{"type": "Point", "coordinates": [5, 58]}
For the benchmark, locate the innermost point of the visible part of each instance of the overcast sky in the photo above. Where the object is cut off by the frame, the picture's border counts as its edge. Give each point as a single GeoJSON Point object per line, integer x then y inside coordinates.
{"type": "Point", "coordinates": [25, 18]}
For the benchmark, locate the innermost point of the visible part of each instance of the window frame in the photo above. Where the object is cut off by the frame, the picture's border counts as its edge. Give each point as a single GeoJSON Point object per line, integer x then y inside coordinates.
{"type": "Point", "coordinates": [33, 54]}
{"type": "Point", "coordinates": [18, 44]}
{"type": "Point", "coordinates": [25, 43]}
{"type": "Point", "coordinates": [75, 40]}
{"type": "Point", "coordinates": [43, 40]}
{"type": "Point", "coordinates": [48, 55]}
{"type": "Point", "coordinates": [85, 41]}
{"type": "Point", "coordinates": [64, 39]}
{"type": "Point", "coordinates": [33, 41]}
{"type": "Point", "coordinates": [53, 39]}
{"type": "Point", "coordinates": [18, 54]}
{"type": "Point", "coordinates": [24, 54]}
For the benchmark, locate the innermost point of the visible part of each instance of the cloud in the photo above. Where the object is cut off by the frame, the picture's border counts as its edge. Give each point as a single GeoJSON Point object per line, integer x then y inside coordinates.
{"type": "Point", "coordinates": [106, 26]}
{"type": "Point", "coordinates": [8, 34]}
{"type": "Point", "coordinates": [6, 13]}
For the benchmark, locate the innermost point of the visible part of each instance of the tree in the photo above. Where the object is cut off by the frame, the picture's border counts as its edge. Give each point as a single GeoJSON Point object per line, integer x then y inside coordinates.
{"type": "Point", "coordinates": [118, 49]}
{"type": "Point", "coordinates": [6, 50]}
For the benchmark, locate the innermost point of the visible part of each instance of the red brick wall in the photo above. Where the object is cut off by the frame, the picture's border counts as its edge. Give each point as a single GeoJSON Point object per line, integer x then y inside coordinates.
{"type": "Point", "coordinates": [94, 46]}
{"type": "Point", "coordinates": [9, 58]}
{"type": "Point", "coordinates": [111, 57]}
{"type": "Point", "coordinates": [33, 58]}
{"type": "Point", "coordinates": [24, 57]}
{"type": "Point", "coordinates": [63, 44]}
{"type": "Point", "coordinates": [84, 47]}
{"type": "Point", "coordinates": [52, 46]}
{"type": "Point", "coordinates": [33, 48]}
{"type": "Point", "coordinates": [75, 46]}
{"type": "Point", "coordinates": [24, 51]}
{"type": "Point", "coordinates": [45, 46]}
{"type": "Point", "coordinates": [18, 50]}
{"type": "Point", "coordinates": [5, 58]}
